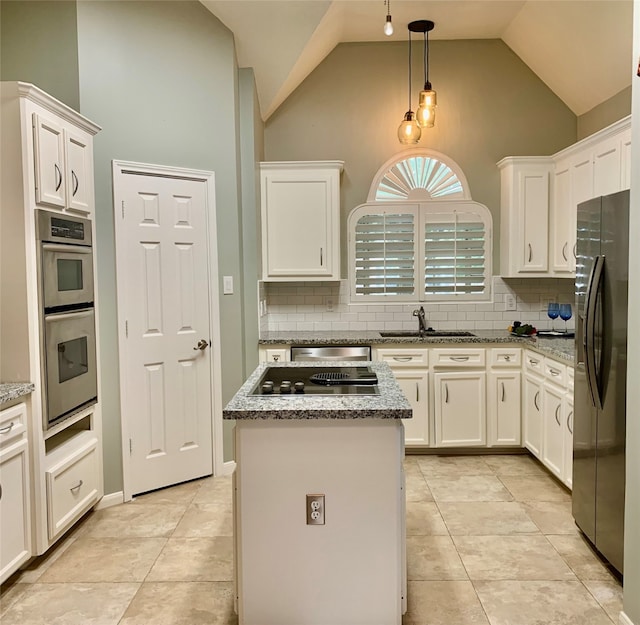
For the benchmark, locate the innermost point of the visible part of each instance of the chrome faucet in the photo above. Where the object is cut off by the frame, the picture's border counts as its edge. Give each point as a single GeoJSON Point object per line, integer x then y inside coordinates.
{"type": "Point", "coordinates": [422, 322]}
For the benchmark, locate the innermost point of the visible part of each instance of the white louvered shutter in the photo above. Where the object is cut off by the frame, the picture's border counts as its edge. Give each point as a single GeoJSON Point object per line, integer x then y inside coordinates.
{"type": "Point", "coordinates": [385, 254]}
{"type": "Point", "coordinates": [455, 245]}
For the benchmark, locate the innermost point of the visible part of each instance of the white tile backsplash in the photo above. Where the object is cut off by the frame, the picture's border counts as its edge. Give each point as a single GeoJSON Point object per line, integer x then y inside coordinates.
{"type": "Point", "coordinates": [303, 306]}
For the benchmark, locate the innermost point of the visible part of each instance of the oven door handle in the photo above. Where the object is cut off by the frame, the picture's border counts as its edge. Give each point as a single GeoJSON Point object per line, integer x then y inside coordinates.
{"type": "Point", "coordinates": [61, 247]}
{"type": "Point", "coordinates": [76, 314]}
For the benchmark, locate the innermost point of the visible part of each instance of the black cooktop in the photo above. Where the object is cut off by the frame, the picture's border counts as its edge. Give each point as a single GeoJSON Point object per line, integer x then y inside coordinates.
{"type": "Point", "coordinates": [318, 380]}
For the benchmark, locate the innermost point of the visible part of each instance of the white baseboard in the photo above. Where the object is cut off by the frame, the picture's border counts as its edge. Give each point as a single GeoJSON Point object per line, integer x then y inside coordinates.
{"type": "Point", "coordinates": [624, 619]}
{"type": "Point", "coordinates": [112, 499]}
{"type": "Point", "coordinates": [228, 467]}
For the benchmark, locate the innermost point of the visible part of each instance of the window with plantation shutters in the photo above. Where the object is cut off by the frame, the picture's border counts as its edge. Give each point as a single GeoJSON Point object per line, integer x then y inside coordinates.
{"type": "Point", "coordinates": [420, 237]}
{"type": "Point", "coordinates": [431, 251]}
{"type": "Point", "coordinates": [454, 254]}
{"type": "Point", "coordinates": [385, 255]}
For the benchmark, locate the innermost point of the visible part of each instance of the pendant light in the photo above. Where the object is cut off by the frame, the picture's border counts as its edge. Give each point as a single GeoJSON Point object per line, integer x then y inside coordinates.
{"type": "Point", "coordinates": [388, 26]}
{"type": "Point", "coordinates": [426, 113]}
{"type": "Point", "coordinates": [409, 132]}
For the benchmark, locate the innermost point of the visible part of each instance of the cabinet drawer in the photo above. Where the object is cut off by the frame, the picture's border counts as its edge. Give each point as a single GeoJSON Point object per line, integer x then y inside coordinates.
{"type": "Point", "coordinates": [13, 423]}
{"type": "Point", "coordinates": [397, 358]}
{"type": "Point", "coordinates": [555, 372]}
{"type": "Point", "coordinates": [505, 357]}
{"type": "Point", "coordinates": [72, 487]}
{"type": "Point", "coordinates": [457, 357]}
{"type": "Point", "coordinates": [534, 362]}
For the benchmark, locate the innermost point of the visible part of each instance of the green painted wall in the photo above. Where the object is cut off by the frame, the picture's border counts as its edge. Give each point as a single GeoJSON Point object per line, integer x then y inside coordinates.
{"type": "Point", "coordinates": [160, 78]}
{"type": "Point", "coordinates": [490, 105]}
{"type": "Point", "coordinates": [604, 114]}
{"type": "Point", "coordinates": [38, 44]}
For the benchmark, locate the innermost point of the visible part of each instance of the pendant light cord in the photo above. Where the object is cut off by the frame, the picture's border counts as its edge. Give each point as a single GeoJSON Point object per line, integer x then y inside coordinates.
{"type": "Point", "coordinates": [409, 71]}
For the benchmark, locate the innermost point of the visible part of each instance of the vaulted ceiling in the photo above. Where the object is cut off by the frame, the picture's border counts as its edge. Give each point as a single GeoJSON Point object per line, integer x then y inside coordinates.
{"type": "Point", "coordinates": [581, 49]}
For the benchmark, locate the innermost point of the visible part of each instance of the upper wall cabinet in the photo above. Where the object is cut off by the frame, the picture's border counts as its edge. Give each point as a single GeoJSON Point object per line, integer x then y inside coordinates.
{"type": "Point", "coordinates": [524, 224]}
{"type": "Point", "coordinates": [597, 165]}
{"type": "Point", "coordinates": [300, 210]}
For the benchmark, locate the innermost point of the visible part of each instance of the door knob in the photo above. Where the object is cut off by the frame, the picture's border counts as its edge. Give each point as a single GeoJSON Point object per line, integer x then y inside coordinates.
{"type": "Point", "coordinates": [202, 345]}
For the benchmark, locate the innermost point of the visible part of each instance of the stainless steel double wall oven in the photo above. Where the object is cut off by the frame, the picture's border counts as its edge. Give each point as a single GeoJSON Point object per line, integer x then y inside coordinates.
{"type": "Point", "coordinates": [67, 318]}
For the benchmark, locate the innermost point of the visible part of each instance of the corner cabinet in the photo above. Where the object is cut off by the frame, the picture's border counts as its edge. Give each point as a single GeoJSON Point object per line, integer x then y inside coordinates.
{"type": "Point", "coordinates": [300, 212]}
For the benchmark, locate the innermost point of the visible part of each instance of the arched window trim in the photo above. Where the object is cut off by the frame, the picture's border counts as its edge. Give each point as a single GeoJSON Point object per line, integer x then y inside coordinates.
{"type": "Point", "coordinates": [427, 154]}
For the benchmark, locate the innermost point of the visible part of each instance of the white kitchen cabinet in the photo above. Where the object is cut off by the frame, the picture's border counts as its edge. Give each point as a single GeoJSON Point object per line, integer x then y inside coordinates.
{"type": "Point", "coordinates": [563, 220]}
{"type": "Point", "coordinates": [504, 410]}
{"type": "Point", "coordinates": [532, 414]}
{"type": "Point", "coordinates": [15, 509]}
{"type": "Point", "coordinates": [300, 210]}
{"type": "Point", "coordinates": [460, 414]}
{"type": "Point", "coordinates": [415, 385]}
{"type": "Point", "coordinates": [410, 368]}
{"type": "Point", "coordinates": [524, 213]}
{"type": "Point", "coordinates": [63, 163]}
{"type": "Point", "coordinates": [567, 473]}
{"type": "Point", "coordinates": [553, 429]}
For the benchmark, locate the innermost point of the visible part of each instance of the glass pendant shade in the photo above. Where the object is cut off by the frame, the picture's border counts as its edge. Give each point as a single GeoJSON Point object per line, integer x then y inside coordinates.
{"type": "Point", "coordinates": [388, 27]}
{"type": "Point", "coordinates": [409, 132]}
{"type": "Point", "coordinates": [426, 112]}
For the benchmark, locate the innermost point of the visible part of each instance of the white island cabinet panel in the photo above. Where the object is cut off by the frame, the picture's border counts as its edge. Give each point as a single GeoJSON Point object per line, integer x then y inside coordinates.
{"type": "Point", "coordinates": [348, 570]}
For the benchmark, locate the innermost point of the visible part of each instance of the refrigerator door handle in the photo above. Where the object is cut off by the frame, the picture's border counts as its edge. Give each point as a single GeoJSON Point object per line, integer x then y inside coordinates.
{"type": "Point", "coordinates": [593, 289]}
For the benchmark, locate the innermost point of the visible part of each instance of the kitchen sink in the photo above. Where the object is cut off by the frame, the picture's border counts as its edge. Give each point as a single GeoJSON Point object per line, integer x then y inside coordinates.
{"type": "Point", "coordinates": [426, 334]}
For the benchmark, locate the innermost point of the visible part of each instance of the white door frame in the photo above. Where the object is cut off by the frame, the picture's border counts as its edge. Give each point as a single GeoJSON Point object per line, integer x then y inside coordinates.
{"type": "Point", "coordinates": [208, 178]}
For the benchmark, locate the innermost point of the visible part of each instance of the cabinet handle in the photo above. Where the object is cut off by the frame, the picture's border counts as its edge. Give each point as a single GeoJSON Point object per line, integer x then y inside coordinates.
{"type": "Point", "coordinates": [535, 401]}
{"type": "Point", "coordinates": [459, 358]}
{"type": "Point", "coordinates": [564, 250]}
{"type": "Point", "coordinates": [556, 415]}
{"type": "Point", "coordinates": [8, 428]}
{"type": "Point", "coordinates": [502, 383]}
{"type": "Point", "coordinates": [446, 393]}
{"type": "Point", "coordinates": [77, 486]}
{"type": "Point", "coordinates": [320, 257]}
{"type": "Point", "coordinates": [533, 361]}
{"type": "Point", "coordinates": [569, 422]}
{"type": "Point", "coordinates": [507, 358]}
{"type": "Point", "coordinates": [403, 358]}
{"type": "Point", "coordinates": [530, 251]}
{"type": "Point", "coordinates": [575, 245]}
{"type": "Point", "coordinates": [553, 371]}
{"type": "Point", "coordinates": [0, 491]}
{"type": "Point", "coordinates": [58, 177]}
{"type": "Point", "coordinates": [75, 182]}
{"type": "Point", "coordinates": [417, 392]}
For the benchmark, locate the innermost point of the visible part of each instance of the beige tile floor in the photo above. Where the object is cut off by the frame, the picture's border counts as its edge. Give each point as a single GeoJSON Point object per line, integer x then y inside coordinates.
{"type": "Point", "coordinates": [490, 541]}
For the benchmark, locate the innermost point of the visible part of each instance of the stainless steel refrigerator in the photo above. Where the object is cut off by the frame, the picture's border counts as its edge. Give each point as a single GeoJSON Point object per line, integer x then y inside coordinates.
{"type": "Point", "coordinates": [602, 253]}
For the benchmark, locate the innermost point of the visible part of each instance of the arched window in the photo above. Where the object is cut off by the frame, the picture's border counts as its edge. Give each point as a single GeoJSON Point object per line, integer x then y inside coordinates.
{"type": "Point", "coordinates": [418, 175]}
{"type": "Point", "coordinates": [420, 237]}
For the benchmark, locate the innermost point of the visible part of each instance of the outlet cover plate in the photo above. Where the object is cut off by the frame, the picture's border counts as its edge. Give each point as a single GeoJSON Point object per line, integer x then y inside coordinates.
{"type": "Point", "coordinates": [315, 509]}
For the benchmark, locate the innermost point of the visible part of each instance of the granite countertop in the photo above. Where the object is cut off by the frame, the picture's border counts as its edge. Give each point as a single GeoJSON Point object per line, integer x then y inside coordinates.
{"type": "Point", "coordinates": [14, 390]}
{"type": "Point", "coordinates": [389, 404]}
{"type": "Point", "coordinates": [556, 347]}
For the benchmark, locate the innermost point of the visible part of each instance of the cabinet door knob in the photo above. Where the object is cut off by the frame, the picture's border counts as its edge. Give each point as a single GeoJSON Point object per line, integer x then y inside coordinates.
{"type": "Point", "coordinates": [535, 401]}
{"type": "Point", "coordinates": [403, 358]}
{"type": "Point", "coordinates": [75, 182]}
{"type": "Point", "coordinates": [77, 486]}
{"type": "Point", "coordinates": [459, 358]}
{"type": "Point", "coordinates": [502, 399]}
{"type": "Point", "coordinates": [58, 176]}
{"type": "Point", "coordinates": [446, 393]}
{"type": "Point", "coordinates": [569, 422]}
{"type": "Point", "coordinates": [530, 252]}
{"type": "Point", "coordinates": [417, 392]}
{"type": "Point", "coordinates": [556, 414]}
{"type": "Point", "coordinates": [564, 251]}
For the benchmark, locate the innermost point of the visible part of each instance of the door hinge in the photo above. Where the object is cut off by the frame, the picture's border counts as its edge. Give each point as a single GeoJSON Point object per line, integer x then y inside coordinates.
{"type": "Point", "coordinates": [126, 329]}
{"type": "Point", "coordinates": [122, 209]}
{"type": "Point", "coordinates": [130, 447]}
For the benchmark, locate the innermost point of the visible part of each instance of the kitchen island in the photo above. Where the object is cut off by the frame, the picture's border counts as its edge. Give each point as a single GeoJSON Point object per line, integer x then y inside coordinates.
{"type": "Point", "coordinates": [338, 563]}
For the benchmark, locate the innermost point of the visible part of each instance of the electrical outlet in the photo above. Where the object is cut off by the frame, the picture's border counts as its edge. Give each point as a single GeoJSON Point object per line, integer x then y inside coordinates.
{"type": "Point", "coordinates": [315, 509]}
{"type": "Point", "coordinates": [510, 301]}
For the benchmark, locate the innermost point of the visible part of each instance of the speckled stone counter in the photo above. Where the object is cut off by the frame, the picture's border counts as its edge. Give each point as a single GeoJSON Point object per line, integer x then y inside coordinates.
{"type": "Point", "coordinates": [389, 404]}
{"type": "Point", "coordinates": [556, 347]}
{"type": "Point", "coordinates": [14, 390]}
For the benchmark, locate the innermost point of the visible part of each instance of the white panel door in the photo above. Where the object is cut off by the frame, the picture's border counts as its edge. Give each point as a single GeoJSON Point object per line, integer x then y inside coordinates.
{"type": "Point", "coordinates": [503, 420]}
{"type": "Point", "coordinates": [168, 369]}
{"type": "Point", "coordinates": [534, 199]}
{"type": "Point", "coordinates": [607, 166]}
{"type": "Point", "coordinates": [563, 226]}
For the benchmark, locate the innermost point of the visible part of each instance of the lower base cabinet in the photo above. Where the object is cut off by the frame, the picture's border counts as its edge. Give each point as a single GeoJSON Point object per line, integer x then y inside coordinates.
{"type": "Point", "coordinates": [460, 408]}
{"type": "Point", "coordinates": [532, 415]}
{"type": "Point", "coordinates": [415, 386]}
{"type": "Point", "coordinates": [553, 430]}
{"type": "Point", "coordinates": [503, 400]}
{"type": "Point", "coordinates": [568, 440]}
